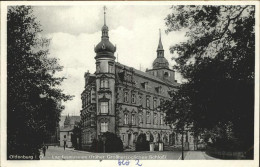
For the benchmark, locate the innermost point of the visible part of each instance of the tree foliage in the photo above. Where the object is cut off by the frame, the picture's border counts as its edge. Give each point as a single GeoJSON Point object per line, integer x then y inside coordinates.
{"type": "Point", "coordinates": [141, 143]}
{"type": "Point", "coordinates": [33, 97]}
{"type": "Point", "coordinates": [217, 62]}
{"type": "Point", "coordinates": [76, 137]}
{"type": "Point", "coordinates": [110, 142]}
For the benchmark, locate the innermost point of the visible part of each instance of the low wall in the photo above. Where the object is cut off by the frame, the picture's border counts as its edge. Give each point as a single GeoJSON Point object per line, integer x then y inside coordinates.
{"type": "Point", "coordinates": [225, 154]}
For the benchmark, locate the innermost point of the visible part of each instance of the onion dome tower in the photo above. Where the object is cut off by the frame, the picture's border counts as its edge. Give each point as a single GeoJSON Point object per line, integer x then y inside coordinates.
{"type": "Point", "coordinates": [160, 61]}
{"type": "Point", "coordinates": [105, 83]}
{"type": "Point", "coordinates": [105, 48]}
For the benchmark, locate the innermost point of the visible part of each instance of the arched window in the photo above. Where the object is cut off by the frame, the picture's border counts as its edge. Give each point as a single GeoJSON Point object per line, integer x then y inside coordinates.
{"type": "Point", "coordinates": [148, 136]}
{"type": "Point", "coordinates": [140, 118]}
{"type": "Point", "coordinates": [154, 103]}
{"type": "Point", "coordinates": [147, 102]}
{"type": "Point", "coordinates": [148, 119]}
{"type": "Point", "coordinates": [162, 119]}
{"type": "Point", "coordinates": [125, 118]}
{"type": "Point", "coordinates": [133, 98]}
{"type": "Point", "coordinates": [126, 97]}
{"type": "Point", "coordinates": [104, 83]}
{"type": "Point", "coordinates": [166, 74]}
{"type": "Point", "coordinates": [155, 118]}
{"type": "Point", "coordinates": [133, 119]}
{"type": "Point", "coordinates": [104, 126]}
{"type": "Point", "coordinates": [103, 107]}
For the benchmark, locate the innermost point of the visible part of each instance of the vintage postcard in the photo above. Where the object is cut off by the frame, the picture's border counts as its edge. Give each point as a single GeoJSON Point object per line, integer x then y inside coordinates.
{"type": "Point", "coordinates": [130, 83]}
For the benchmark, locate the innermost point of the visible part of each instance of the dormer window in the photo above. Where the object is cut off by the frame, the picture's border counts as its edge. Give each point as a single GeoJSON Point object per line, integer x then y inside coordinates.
{"type": "Point", "coordinates": [159, 89]}
{"type": "Point", "coordinates": [145, 85]}
{"type": "Point", "coordinates": [166, 74]}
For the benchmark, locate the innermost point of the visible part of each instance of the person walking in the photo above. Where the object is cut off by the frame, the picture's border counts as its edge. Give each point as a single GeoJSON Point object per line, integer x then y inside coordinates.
{"type": "Point", "coordinates": [65, 142]}
{"type": "Point", "coordinates": [44, 149]}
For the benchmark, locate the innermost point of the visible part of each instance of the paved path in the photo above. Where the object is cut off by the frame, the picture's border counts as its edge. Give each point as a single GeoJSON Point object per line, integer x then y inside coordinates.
{"type": "Point", "coordinates": [198, 155]}
{"type": "Point", "coordinates": [58, 153]}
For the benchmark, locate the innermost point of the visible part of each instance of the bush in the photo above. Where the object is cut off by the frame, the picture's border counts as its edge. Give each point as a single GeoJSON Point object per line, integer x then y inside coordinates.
{"type": "Point", "coordinates": [112, 144]}
{"type": "Point", "coordinates": [142, 144]}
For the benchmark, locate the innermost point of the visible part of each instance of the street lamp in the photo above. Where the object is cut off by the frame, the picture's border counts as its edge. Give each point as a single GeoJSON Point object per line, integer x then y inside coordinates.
{"type": "Point", "coordinates": [182, 154]}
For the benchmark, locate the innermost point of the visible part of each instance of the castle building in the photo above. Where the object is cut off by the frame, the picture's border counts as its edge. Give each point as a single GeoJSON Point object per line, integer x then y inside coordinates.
{"type": "Point", "coordinates": [124, 100]}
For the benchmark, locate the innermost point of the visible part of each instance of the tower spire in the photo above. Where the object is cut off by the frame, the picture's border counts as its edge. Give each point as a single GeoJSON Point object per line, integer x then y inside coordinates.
{"type": "Point", "coordinates": [105, 8]}
{"type": "Point", "coordinates": [160, 46]}
{"type": "Point", "coordinates": [104, 28]}
{"type": "Point", "coordinates": [160, 61]}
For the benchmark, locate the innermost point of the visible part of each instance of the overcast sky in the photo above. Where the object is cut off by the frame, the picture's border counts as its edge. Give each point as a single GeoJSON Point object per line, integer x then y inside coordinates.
{"type": "Point", "coordinates": [75, 30]}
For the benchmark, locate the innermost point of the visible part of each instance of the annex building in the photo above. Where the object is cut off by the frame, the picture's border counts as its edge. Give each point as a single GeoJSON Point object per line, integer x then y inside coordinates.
{"type": "Point", "coordinates": [124, 100]}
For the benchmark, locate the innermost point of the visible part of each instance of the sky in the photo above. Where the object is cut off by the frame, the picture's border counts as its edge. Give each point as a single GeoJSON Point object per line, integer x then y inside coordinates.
{"type": "Point", "coordinates": [75, 30]}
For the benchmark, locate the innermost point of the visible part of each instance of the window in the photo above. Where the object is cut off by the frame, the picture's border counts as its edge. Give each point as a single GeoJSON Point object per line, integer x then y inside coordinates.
{"type": "Point", "coordinates": [98, 68]}
{"type": "Point", "coordinates": [161, 101]}
{"type": "Point", "coordinates": [140, 119]}
{"type": "Point", "coordinates": [148, 121]}
{"type": "Point", "coordinates": [126, 97]}
{"type": "Point", "coordinates": [92, 120]}
{"type": "Point", "coordinates": [123, 137]}
{"type": "Point", "coordinates": [110, 68]}
{"type": "Point", "coordinates": [155, 73]}
{"type": "Point", "coordinates": [147, 102]}
{"type": "Point", "coordinates": [148, 137]}
{"type": "Point", "coordinates": [166, 74]}
{"type": "Point", "coordinates": [104, 107]}
{"type": "Point", "coordinates": [133, 98]}
{"type": "Point", "coordinates": [104, 83]}
{"type": "Point", "coordinates": [133, 119]}
{"type": "Point", "coordinates": [154, 103]}
{"type": "Point", "coordinates": [155, 118]}
{"type": "Point", "coordinates": [89, 100]}
{"type": "Point", "coordinates": [126, 119]}
{"type": "Point", "coordinates": [104, 126]}
{"type": "Point", "coordinates": [161, 119]}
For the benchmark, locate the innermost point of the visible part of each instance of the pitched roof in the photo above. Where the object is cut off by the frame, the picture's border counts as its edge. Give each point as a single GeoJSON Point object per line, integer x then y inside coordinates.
{"type": "Point", "coordinates": [149, 76]}
{"type": "Point", "coordinates": [67, 129]}
{"type": "Point", "coordinates": [74, 119]}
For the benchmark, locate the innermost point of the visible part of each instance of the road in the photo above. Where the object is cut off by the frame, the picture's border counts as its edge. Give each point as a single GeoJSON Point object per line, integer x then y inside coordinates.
{"type": "Point", "coordinates": [58, 153]}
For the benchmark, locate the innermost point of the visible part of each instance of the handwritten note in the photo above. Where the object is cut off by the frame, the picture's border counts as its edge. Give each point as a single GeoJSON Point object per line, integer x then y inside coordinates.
{"type": "Point", "coordinates": [127, 162]}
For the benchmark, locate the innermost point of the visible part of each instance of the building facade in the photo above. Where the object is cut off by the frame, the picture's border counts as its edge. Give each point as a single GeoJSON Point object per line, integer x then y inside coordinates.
{"type": "Point", "coordinates": [124, 100]}
{"type": "Point", "coordinates": [66, 130]}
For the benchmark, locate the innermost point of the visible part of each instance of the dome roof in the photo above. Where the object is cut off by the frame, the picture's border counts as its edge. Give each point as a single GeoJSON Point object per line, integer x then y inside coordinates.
{"type": "Point", "coordinates": [105, 48]}
{"type": "Point", "coordinates": [160, 62]}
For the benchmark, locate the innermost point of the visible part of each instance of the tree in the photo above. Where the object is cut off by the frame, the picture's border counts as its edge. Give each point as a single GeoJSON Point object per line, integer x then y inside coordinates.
{"type": "Point", "coordinates": [76, 137]}
{"type": "Point", "coordinates": [109, 142]}
{"type": "Point", "coordinates": [33, 97]}
{"type": "Point", "coordinates": [217, 62]}
{"type": "Point", "coordinates": [141, 143]}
